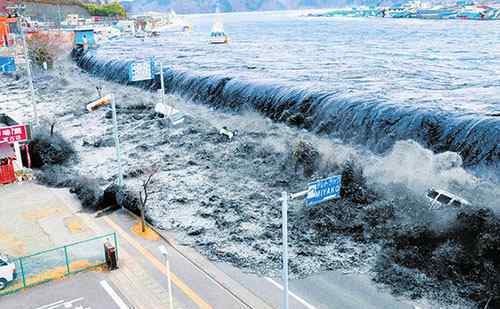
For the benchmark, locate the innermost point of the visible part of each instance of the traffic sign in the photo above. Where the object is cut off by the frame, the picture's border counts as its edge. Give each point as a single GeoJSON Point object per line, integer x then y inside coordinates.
{"type": "Point", "coordinates": [323, 190]}
{"type": "Point", "coordinates": [175, 116]}
{"type": "Point", "coordinates": [7, 64]}
{"type": "Point", "coordinates": [138, 71]}
{"type": "Point", "coordinates": [12, 134]}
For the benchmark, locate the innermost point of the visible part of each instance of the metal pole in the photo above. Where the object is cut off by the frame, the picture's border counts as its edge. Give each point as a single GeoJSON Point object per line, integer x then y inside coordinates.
{"type": "Point", "coordinates": [67, 260]}
{"type": "Point", "coordinates": [284, 211]}
{"type": "Point", "coordinates": [117, 141]}
{"type": "Point", "coordinates": [171, 301]}
{"type": "Point", "coordinates": [22, 272]}
{"type": "Point", "coordinates": [28, 67]}
{"type": "Point", "coordinates": [162, 82]}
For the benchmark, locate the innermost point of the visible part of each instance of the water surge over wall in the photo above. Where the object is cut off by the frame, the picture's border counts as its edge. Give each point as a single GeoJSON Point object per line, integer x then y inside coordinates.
{"type": "Point", "coordinates": [359, 120]}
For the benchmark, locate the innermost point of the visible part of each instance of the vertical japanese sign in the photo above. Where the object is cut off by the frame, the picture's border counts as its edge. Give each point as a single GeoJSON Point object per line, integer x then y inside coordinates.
{"type": "Point", "coordinates": [12, 134]}
{"type": "Point", "coordinates": [138, 71]}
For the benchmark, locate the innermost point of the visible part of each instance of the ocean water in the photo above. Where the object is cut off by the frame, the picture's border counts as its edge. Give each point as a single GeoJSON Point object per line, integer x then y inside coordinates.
{"type": "Point", "coordinates": [368, 81]}
{"type": "Point", "coordinates": [426, 64]}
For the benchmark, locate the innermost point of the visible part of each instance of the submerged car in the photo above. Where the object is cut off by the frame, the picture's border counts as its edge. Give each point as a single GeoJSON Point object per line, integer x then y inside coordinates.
{"type": "Point", "coordinates": [7, 272]}
{"type": "Point", "coordinates": [440, 198]}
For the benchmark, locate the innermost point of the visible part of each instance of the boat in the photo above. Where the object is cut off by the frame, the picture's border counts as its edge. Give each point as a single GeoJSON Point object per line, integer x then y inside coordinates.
{"type": "Point", "coordinates": [217, 35]}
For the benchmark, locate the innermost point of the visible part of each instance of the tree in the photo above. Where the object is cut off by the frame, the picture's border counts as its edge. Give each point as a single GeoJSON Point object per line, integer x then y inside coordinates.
{"type": "Point", "coordinates": [144, 195]}
{"type": "Point", "coordinates": [112, 9]}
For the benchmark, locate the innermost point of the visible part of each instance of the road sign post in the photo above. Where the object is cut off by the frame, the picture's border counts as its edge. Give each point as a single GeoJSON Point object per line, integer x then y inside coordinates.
{"type": "Point", "coordinates": [162, 83]}
{"type": "Point", "coordinates": [284, 228]}
{"type": "Point", "coordinates": [164, 252]}
{"type": "Point", "coordinates": [173, 115]}
{"type": "Point", "coordinates": [318, 192]}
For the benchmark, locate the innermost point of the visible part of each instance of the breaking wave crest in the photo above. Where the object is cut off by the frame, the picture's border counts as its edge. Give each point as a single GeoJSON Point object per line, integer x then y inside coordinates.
{"type": "Point", "coordinates": [369, 122]}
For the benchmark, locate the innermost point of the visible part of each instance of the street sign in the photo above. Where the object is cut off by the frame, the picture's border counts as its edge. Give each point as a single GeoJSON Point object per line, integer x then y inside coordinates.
{"type": "Point", "coordinates": [323, 190]}
{"type": "Point", "coordinates": [12, 134]}
{"type": "Point", "coordinates": [175, 116]}
{"type": "Point", "coordinates": [138, 71]}
{"type": "Point", "coordinates": [7, 64]}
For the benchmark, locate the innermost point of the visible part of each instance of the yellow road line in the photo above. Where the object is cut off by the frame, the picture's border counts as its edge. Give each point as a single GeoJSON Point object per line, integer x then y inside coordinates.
{"type": "Point", "coordinates": [159, 265]}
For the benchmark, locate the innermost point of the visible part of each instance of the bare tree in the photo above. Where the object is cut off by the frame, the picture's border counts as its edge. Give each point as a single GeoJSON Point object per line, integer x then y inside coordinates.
{"type": "Point", "coordinates": [144, 195]}
{"type": "Point", "coordinates": [53, 123]}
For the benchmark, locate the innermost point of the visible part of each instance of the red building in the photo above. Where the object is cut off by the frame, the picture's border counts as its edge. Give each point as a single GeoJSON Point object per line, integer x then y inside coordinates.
{"type": "Point", "coordinates": [7, 157]}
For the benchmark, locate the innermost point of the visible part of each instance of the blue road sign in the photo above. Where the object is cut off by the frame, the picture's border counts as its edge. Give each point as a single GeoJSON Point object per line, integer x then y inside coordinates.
{"type": "Point", "coordinates": [7, 64]}
{"type": "Point", "coordinates": [142, 70]}
{"type": "Point", "coordinates": [323, 190]}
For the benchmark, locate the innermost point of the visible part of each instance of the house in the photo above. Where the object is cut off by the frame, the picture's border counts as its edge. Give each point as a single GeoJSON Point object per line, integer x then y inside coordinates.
{"type": "Point", "coordinates": [16, 136]}
{"type": "Point", "coordinates": [7, 157]}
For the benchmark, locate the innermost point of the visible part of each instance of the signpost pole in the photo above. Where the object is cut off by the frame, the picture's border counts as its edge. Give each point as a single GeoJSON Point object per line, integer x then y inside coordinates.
{"type": "Point", "coordinates": [117, 141]}
{"type": "Point", "coordinates": [170, 299]}
{"type": "Point", "coordinates": [164, 252]}
{"type": "Point", "coordinates": [162, 82]}
{"type": "Point", "coordinates": [284, 210]}
{"type": "Point", "coordinates": [30, 75]}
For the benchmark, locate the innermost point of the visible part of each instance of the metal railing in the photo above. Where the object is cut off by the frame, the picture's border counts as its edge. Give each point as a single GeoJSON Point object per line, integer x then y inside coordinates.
{"type": "Point", "coordinates": [59, 262]}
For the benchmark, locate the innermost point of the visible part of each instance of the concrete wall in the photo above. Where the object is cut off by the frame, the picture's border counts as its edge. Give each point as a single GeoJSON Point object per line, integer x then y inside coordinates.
{"type": "Point", "coordinates": [54, 13]}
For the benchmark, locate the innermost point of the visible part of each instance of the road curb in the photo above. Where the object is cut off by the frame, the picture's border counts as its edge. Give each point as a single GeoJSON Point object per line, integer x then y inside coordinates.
{"type": "Point", "coordinates": [247, 298]}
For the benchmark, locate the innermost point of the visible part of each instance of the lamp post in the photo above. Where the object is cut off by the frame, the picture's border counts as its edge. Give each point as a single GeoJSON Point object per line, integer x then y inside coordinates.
{"type": "Point", "coordinates": [164, 252]}
{"type": "Point", "coordinates": [117, 142]}
{"type": "Point", "coordinates": [103, 101]}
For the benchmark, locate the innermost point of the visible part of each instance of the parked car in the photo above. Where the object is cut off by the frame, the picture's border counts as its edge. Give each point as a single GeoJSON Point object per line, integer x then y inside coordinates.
{"type": "Point", "coordinates": [440, 198]}
{"type": "Point", "coordinates": [7, 272]}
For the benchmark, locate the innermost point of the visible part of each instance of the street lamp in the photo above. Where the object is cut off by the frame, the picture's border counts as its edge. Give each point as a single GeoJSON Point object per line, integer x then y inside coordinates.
{"type": "Point", "coordinates": [164, 252]}
{"type": "Point", "coordinates": [103, 101]}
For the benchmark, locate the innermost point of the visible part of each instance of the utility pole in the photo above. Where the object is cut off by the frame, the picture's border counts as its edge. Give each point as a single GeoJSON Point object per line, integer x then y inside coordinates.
{"type": "Point", "coordinates": [18, 9]}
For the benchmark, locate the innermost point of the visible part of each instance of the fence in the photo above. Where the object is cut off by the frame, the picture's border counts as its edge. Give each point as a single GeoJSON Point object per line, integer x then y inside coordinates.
{"type": "Point", "coordinates": [59, 262]}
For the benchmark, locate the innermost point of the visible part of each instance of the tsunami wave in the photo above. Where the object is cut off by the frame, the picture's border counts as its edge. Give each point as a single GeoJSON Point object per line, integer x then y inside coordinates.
{"type": "Point", "coordinates": [368, 122]}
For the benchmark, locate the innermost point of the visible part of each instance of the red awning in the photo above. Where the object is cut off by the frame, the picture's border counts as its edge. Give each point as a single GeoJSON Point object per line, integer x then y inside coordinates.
{"type": "Point", "coordinates": [6, 151]}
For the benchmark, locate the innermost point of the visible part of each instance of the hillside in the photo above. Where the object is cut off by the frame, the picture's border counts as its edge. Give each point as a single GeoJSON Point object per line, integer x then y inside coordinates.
{"type": "Point", "coordinates": [204, 6]}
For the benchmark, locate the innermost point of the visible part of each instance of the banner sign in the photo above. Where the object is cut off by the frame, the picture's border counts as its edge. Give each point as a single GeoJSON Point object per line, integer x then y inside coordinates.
{"type": "Point", "coordinates": [17, 133]}
{"type": "Point", "coordinates": [323, 190]}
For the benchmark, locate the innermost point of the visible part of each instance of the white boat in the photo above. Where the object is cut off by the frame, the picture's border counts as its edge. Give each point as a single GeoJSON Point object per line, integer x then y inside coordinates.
{"type": "Point", "coordinates": [217, 35]}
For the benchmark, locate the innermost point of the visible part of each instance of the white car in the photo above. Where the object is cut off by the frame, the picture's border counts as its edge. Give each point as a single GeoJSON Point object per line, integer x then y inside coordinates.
{"type": "Point", "coordinates": [7, 272]}
{"type": "Point", "coordinates": [443, 198]}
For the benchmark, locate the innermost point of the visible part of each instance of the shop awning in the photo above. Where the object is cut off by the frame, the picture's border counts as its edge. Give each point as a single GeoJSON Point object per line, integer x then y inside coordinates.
{"type": "Point", "coordinates": [6, 151]}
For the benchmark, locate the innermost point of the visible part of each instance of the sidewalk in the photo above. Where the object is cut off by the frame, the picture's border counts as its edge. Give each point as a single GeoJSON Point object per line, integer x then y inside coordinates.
{"type": "Point", "coordinates": [132, 279]}
{"type": "Point", "coordinates": [36, 218]}
{"type": "Point", "coordinates": [196, 282]}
